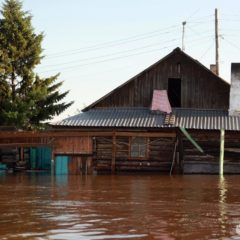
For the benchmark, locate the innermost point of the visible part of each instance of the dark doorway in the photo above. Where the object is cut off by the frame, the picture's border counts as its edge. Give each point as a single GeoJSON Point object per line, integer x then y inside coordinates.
{"type": "Point", "coordinates": [174, 91]}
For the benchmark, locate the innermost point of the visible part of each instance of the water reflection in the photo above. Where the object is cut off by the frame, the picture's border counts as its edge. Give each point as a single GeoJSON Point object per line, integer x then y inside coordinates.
{"type": "Point", "coordinates": [223, 219]}
{"type": "Point", "coordinates": [119, 207]}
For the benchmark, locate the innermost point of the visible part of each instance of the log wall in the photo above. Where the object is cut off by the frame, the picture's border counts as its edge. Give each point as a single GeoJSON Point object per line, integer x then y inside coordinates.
{"type": "Point", "coordinates": [208, 162]}
{"type": "Point", "coordinates": [159, 152]}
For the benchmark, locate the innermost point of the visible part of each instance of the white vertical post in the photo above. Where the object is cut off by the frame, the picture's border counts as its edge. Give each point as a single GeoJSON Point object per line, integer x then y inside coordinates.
{"type": "Point", "coordinates": [221, 160]}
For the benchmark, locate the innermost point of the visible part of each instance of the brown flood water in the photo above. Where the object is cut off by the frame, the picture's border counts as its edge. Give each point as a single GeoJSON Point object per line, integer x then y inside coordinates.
{"type": "Point", "coordinates": [119, 207]}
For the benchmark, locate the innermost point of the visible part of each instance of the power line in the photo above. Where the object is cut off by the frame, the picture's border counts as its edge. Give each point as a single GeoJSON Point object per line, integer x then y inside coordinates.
{"type": "Point", "coordinates": [112, 54]}
{"type": "Point", "coordinates": [116, 58]}
{"type": "Point", "coordinates": [120, 52]}
{"type": "Point", "coordinates": [109, 59]}
{"type": "Point", "coordinates": [232, 44]}
{"type": "Point", "coordinates": [117, 42]}
{"type": "Point", "coordinates": [104, 47]}
{"type": "Point", "coordinates": [207, 50]}
{"type": "Point", "coordinates": [137, 37]}
{"type": "Point", "coordinates": [229, 20]}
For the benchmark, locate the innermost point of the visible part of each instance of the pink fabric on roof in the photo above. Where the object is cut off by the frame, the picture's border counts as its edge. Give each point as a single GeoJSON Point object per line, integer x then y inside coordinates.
{"type": "Point", "coordinates": [160, 101]}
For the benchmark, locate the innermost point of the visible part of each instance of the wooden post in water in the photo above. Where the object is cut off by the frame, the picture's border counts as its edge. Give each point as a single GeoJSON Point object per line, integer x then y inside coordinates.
{"type": "Point", "coordinates": [221, 160]}
{"type": "Point", "coordinates": [114, 154]}
{"type": "Point", "coordinates": [21, 154]}
{"type": "Point", "coordinates": [174, 157]}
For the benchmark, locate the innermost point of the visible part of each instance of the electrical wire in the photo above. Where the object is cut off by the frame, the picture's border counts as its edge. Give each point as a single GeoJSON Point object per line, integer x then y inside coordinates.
{"type": "Point", "coordinates": [231, 43]}
{"type": "Point", "coordinates": [137, 37]}
{"type": "Point", "coordinates": [116, 58]}
{"type": "Point", "coordinates": [107, 60]}
{"type": "Point", "coordinates": [112, 54]}
{"type": "Point", "coordinates": [116, 42]}
{"type": "Point", "coordinates": [207, 50]}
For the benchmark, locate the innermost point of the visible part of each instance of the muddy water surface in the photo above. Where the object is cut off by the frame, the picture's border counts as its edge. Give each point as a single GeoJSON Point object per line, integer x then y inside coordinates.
{"type": "Point", "coordinates": [119, 207]}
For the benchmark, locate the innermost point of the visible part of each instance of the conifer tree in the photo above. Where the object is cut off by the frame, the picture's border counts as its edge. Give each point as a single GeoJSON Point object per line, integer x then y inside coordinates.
{"type": "Point", "coordinates": [26, 99]}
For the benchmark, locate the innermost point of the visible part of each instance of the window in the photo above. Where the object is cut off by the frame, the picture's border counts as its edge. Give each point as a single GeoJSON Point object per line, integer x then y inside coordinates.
{"type": "Point", "coordinates": [138, 147]}
{"type": "Point", "coordinates": [174, 92]}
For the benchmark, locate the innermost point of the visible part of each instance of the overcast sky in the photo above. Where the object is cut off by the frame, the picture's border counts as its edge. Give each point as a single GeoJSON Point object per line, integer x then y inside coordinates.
{"type": "Point", "coordinates": [98, 45]}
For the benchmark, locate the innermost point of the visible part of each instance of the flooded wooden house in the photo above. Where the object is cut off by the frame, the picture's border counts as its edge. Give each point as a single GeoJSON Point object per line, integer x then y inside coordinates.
{"type": "Point", "coordinates": [134, 128]}
{"type": "Point", "coordinates": [166, 119]}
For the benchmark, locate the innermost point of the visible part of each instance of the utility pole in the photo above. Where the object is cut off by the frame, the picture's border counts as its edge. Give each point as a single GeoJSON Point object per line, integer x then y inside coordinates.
{"type": "Point", "coordinates": [183, 33]}
{"type": "Point", "coordinates": [216, 41]}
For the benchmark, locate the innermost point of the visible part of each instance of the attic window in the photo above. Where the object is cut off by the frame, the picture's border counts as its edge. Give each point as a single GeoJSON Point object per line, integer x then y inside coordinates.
{"type": "Point", "coordinates": [174, 91]}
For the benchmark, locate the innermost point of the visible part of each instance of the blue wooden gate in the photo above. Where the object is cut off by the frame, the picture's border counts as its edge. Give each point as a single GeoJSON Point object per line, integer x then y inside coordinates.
{"type": "Point", "coordinates": [40, 158]}
{"type": "Point", "coordinates": [61, 165]}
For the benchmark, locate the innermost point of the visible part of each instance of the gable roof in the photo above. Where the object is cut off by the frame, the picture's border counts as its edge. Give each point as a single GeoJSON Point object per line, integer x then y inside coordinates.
{"type": "Point", "coordinates": [176, 50]}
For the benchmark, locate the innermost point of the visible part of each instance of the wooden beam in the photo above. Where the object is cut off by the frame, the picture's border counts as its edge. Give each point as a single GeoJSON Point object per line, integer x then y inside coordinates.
{"type": "Point", "coordinates": [233, 150]}
{"type": "Point", "coordinates": [2, 145]}
{"type": "Point", "coordinates": [51, 134]}
{"type": "Point", "coordinates": [147, 134]}
{"type": "Point", "coordinates": [21, 154]}
{"type": "Point", "coordinates": [74, 153]}
{"type": "Point", "coordinates": [188, 136]}
{"type": "Point", "coordinates": [113, 167]}
{"type": "Point", "coordinates": [174, 157]}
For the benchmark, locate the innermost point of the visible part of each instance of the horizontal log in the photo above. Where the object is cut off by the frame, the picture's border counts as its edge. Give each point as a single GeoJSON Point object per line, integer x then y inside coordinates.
{"type": "Point", "coordinates": [104, 145]}
{"type": "Point", "coordinates": [161, 147]}
{"type": "Point", "coordinates": [2, 145]}
{"type": "Point", "coordinates": [152, 158]}
{"type": "Point", "coordinates": [192, 159]}
{"type": "Point", "coordinates": [122, 149]}
{"type": "Point", "coordinates": [143, 168]}
{"type": "Point", "coordinates": [147, 134]}
{"type": "Point", "coordinates": [161, 152]}
{"type": "Point", "coordinates": [101, 153]}
{"type": "Point", "coordinates": [150, 164]}
{"type": "Point", "coordinates": [80, 133]}
{"type": "Point", "coordinates": [74, 153]}
{"type": "Point", "coordinates": [125, 156]}
{"type": "Point", "coordinates": [163, 142]}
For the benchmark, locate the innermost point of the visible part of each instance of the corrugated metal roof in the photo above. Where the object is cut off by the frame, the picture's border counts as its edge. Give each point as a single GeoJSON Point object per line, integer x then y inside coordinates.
{"type": "Point", "coordinates": [144, 118]}
{"type": "Point", "coordinates": [115, 117]}
{"type": "Point", "coordinates": [206, 119]}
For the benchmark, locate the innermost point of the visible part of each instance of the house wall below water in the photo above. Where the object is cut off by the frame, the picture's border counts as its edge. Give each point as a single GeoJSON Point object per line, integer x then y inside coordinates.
{"type": "Point", "coordinates": [134, 153]}
{"type": "Point", "coordinates": [72, 155]}
{"type": "Point", "coordinates": [121, 151]}
{"type": "Point", "coordinates": [115, 152]}
{"type": "Point", "coordinates": [208, 162]}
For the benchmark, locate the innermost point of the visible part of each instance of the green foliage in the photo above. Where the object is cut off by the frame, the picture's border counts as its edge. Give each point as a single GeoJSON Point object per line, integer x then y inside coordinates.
{"type": "Point", "coordinates": [26, 100]}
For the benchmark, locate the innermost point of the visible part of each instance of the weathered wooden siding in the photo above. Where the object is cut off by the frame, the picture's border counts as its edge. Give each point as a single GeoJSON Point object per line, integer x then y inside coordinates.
{"type": "Point", "coordinates": [72, 145]}
{"type": "Point", "coordinates": [198, 85]}
{"type": "Point", "coordinates": [79, 165]}
{"type": "Point", "coordinates": [158, 157]}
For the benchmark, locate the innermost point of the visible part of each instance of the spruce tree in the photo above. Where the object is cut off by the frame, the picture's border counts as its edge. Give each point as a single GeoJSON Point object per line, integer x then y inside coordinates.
{"type": "Point", "coordinates": [26, 99]}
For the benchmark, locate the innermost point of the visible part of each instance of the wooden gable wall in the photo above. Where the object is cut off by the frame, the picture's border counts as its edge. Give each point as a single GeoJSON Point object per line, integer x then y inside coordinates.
{"type": "Point", "coordinates": [200, 88]}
